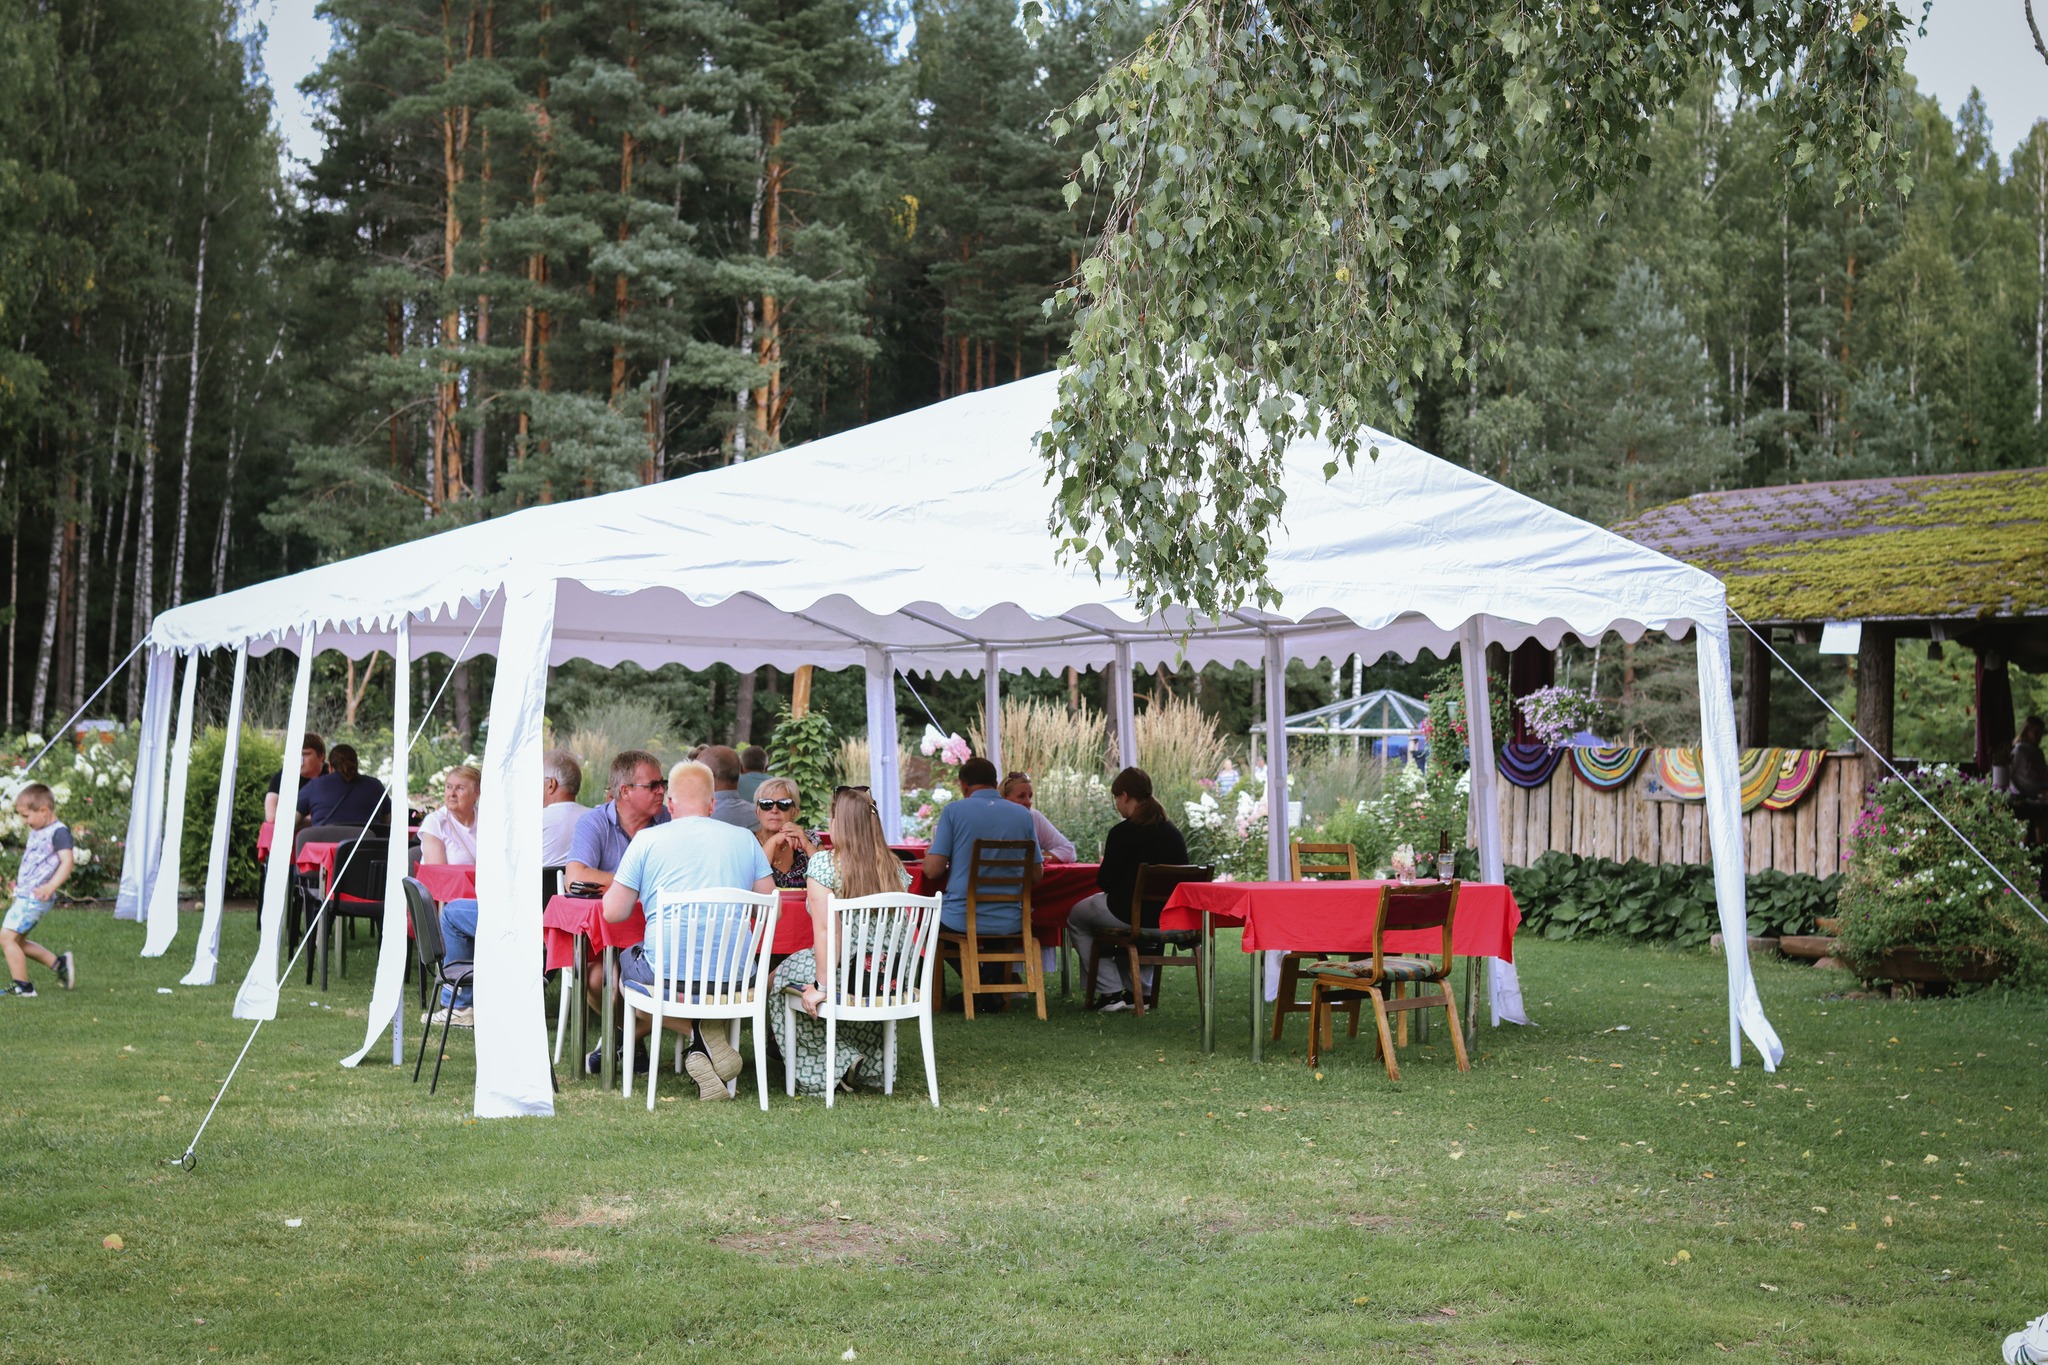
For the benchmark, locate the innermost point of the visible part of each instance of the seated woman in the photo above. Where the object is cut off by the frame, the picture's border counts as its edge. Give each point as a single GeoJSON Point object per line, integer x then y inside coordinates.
{"type": "Point", "coordinates": [1053, 846]}
{"type": "Point", "coordinates": [448, 835]}
{"type": "Point", "coordinates": [341, 803]}
{"type": "Point", "coordinates": [1144, 836]}
{"type": "Point", "coordinates": [859, 863]}
{"type": "Point", "coordinates": [782, 835]}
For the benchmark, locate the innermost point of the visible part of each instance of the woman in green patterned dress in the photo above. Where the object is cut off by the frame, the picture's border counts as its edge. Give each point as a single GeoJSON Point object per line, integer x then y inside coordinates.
{"type": "Point", "coordinates": [859, 863]}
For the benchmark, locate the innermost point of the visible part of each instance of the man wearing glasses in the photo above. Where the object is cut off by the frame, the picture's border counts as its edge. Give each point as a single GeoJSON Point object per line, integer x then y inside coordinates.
{"type": "Point", "coordinates": [638, 791]}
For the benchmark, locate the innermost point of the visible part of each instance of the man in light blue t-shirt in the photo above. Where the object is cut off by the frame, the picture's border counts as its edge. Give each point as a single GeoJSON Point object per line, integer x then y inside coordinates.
{"type": "Point", "coordinates": [692, 852]}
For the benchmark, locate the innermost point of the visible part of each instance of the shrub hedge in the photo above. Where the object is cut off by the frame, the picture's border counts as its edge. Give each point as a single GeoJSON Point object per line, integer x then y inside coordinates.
{"type": "Point", "coordinates": [1567, 895]}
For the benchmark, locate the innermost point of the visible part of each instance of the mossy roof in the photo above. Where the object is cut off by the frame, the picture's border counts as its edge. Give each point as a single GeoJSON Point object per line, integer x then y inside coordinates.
{"type": "Point", "coordinates": [1936, 546]}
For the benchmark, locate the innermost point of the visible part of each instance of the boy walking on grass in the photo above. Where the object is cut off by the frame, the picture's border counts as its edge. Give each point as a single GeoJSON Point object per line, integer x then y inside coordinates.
{"type": "Point", "coordinates": [45, 866]}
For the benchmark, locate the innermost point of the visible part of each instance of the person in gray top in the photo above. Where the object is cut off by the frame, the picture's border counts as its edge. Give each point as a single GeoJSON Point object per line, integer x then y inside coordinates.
{"type": "Point", "coordinates": [726, 802]}
{"type": "Point", "coordinates": [753, 770]}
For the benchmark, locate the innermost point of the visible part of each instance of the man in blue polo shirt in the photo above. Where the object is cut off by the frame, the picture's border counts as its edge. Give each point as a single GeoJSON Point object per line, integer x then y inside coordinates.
{"type": "Point", "coordinates": [638, 790]}
{"type": "Point", "coordinates": [980, 813]}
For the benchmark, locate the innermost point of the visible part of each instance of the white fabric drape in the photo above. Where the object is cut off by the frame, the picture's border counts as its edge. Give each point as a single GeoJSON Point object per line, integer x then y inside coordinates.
{"type": "Point", "coordinates": [206, 952]}
{"type": "Point", "coordinates": [992, 709]}
{"type": "Point", "coordinates": [1124, 706]}
{"type": "Point", "coordinates": [1719, 763]}
{"type": "Point", "coordinates": [145, 812]}
{"type": "Point", "coordinates": [257, 998]}
{"type": "Point", "coordinates": [163, 889]}
{"type": "Point", "coordinates": [1503, 985]}
{"type": "Point", "coordinates": [387, 997]}
{"type": "Point", "coordinates": [1276, 758]}
{"type": "Point", "coordinates": [512, 1073]}
{"type": "Point", "coordinates": [884, 782]}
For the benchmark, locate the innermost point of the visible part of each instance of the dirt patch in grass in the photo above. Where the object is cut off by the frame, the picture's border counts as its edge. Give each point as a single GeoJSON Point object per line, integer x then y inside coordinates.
{"type": "Point", "coordinates": [1379, 1222]}
{"type": "Point", "coordinates": [605, 1211]}
{"type": "Point", "coordinates": [478, 1261]}
{"type": "Point", "coordinates": [823, 1241]}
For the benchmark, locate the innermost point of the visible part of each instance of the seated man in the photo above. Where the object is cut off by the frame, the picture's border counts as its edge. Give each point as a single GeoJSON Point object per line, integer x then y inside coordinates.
{"type": "Point", "coordinates": [980, 813]}
{"type": "Point", "coordinates": [340, 804]}
{"type": "Point", "coordinates": [753, 770]}
{"type": "Point", "coordinates": [729, 806]}
{"type": "Point", "coordinates": [637, 788]}
{"type": "Point", "coordinates": [599, 841]}
{"type": "Point", "coordinates": [693, 852]}
{"type": "Point", "coordinates": [312, 763]}
{"type": "Point", "coordinates": [561, 778]}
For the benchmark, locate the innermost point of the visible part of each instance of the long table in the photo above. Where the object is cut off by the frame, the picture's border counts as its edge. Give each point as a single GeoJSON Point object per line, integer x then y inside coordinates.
{"type": "Point", "coordinates": [1326, 917]}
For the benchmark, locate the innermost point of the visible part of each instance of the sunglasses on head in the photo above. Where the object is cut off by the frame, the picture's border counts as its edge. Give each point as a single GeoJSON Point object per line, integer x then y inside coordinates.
{"type": "Point", "coordinates": [774, 803]}
{"type": "Point", "coordinates": [836, 791]}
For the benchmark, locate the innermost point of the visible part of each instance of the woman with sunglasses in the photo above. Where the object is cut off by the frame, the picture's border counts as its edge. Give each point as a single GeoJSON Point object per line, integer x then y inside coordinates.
{"type": "Point", "coordinates": [783, 839]}
{"type": "Point", "coordinates": [859, 863]}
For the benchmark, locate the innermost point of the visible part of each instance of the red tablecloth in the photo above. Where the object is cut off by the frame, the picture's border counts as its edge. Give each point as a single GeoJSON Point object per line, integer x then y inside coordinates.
{"type": "Point", "coordinates": [1337, 917]}
{"type": "Point", "coordinates": [568, 916]}
{"type": "Point", "coordinates": [315, 856]}
{"type": "Point", "coordinates": [263, 837]}
{"type": "Point", "coordinates": [447, 881]}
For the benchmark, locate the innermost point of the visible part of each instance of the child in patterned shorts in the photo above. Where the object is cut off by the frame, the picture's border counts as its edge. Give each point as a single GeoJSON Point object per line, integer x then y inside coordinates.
{"type": "Point", "coordinates": [45, 866]}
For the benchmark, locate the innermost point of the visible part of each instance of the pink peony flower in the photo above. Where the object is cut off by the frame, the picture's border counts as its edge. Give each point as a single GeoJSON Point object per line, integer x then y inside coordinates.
{"type": "Point", "coordinates": [924, 812]}
{"type": "Point", "coordinates": [956, 750]}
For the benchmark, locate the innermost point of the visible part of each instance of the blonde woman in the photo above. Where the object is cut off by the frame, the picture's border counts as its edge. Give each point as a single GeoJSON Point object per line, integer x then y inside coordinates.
{"type": "Point", "coordinates": [783, 839]}
{"type": "Point", "coordinates": [448, 835]}
{"type": "Point", "coordinates": [859, 863]}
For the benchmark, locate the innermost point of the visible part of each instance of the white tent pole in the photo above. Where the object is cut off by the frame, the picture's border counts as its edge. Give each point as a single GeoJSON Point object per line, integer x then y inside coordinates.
{"type": "Point", "coordinates": [387, 997]}
{"type": "Point", "coordinates": [1276, 758]}
{"type": "Point", "coordinates": [206, 952]}
{"type": "Point", "coordinates": [512, 1072]}
{"type": "Point", "coordinates": [884, 782]}
{"type": "Point", "coordinates": [162, 914]}
{"type": "Point", "coordinates": [257, 998]}
{"type": "Point", "coordinates": [1124, 703]}
{"type": "Point", "coordinates": [992, 708]}
{"type": "Point", "coordinates": [1485, 794]}
{"type": "Point", "coordinates": [1720, 763]}
{"type": "Point", "coordinates": [139, 849]}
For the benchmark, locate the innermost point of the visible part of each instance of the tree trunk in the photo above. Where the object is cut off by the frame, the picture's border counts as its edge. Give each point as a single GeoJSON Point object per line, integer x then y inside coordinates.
{"type": "Point", "coordinates": [800, 692]}
{"type": "Point", "coordinates": [191, 385]}
{"type": "Point", "coordinates": [769, 401]}
{"type": "Point", "coordinates": [52, 593]}
{"type": "Point", "coordinates": [144, 606]}
{"type": "Point", "coordinates": [82, 592]}
{"type": "Point", "coordinates": [352, 692]}
{"type": "Point", "coordinates": [13, 602]}
{"type": "Point", "coordinates": [2040, 264]}
{"type": "Point", "coordinates": [477, 470]}
{"type": "Point", "coordinates": [743, 709]}
{"type": "Point", "coordinates": [117, 567]}
{"type": "Point", "coordinates": [533, 327]}
{"type": "Point", "coordinates": [1785, 305]}
{"type": "Point", "coordinates": [447, 480]}
{"type": "Point", "coordinates": [1875, 663]}
{"type": "Point", "coordinates": [459, 685]}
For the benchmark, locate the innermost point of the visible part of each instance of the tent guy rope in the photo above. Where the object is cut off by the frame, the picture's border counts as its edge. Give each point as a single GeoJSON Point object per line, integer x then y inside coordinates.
{"type": "Point", "coordinates": [190, 1158]}
{"type": "Point", "coordinates": [1964, 839]}
{"type": "Point", "coordinates": [60, 731]}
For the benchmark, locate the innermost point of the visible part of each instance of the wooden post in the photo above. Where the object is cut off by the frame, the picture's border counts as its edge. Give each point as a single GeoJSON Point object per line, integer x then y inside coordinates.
{"type": "Point", "coordinates": [800, 692]}
{"type": "Point", "coordinates": [1756, 690]}
{"type": "Point", "coordinates": [1874, 687]}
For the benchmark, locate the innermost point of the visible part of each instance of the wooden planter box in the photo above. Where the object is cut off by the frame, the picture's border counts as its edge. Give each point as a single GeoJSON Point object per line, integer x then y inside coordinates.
{"type": "Point", "coordinates": [1921, 966]}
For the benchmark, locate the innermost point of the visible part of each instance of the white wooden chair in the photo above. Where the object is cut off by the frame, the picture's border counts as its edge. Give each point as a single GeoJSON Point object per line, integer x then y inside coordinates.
{"type": "Point", "coordinates": [710, 962]}
{"type": "Point", "coordinates": [895, 937]}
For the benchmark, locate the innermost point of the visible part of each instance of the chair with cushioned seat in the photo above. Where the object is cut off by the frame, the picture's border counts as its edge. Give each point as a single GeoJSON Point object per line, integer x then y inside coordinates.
{"type": "Point", "coordinates": [1310, 863]}
{"type": "Point", "coordinates": [1427, 905]}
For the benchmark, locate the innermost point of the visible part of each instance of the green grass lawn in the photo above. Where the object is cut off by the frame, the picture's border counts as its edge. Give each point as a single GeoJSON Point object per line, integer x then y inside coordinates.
{"type": "Point", "coordinates": [1093, 1189]}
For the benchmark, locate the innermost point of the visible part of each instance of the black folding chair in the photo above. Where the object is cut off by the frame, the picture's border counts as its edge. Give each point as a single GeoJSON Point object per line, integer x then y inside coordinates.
{"type": "Point", "coordinates": [431, 950]}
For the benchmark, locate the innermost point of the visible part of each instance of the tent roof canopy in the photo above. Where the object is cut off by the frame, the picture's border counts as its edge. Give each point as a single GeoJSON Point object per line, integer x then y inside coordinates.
{"type": "Point", "coordinates": [926, 535]}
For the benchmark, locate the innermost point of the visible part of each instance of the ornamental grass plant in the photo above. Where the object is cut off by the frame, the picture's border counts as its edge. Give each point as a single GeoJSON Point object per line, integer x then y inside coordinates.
{"type": "Point", "coordinates": [1912, 883]}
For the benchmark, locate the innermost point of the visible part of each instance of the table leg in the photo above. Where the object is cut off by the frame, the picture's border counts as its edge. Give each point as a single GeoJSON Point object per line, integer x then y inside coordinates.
{"type": "Point", "coordinates": [1066, 988]}
{"type": "Point", "coordinates": [1471, 997]}
{"type": "Point", "coordinates": [1258, 1011]}
{"type": "Point", "coordinates": [607, 1037]}
{"type": "Point", "coordinates": [579, 1012]}
{"type": "Point", "coordinates": [1208, 982]}
{"type": "Point", "coordinates": [398, 1030]}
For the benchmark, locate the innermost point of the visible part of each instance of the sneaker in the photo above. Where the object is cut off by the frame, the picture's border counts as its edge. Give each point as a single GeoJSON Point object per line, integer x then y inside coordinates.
{"type": "Point", "coordinates": [464, 1018]}
{"type": "Point", "coordinates": [2029, 1345]}
{"type": "Point", "coordinates": [1113, 1004]}
{"type": "Point", "coordinates": [725, 1059]}
{"type": "Point", "coordinates": [25, 991]}
{"type": "Point", "coordinates": [67, 971]}
{"type": "Point", "coordinates": [710, 1085]}
{"type": "Point", "coordinates": [593, 1061]}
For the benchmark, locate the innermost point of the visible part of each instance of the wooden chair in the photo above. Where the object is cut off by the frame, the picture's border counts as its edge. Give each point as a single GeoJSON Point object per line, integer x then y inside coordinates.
{"type": "Point", "coordinates": [1311, 863]}
{"type": "Point", "coordinates": [997, 874]}
{"type": "Point", "coordinates": [1423, 906]}
{"type": "Point", "coordinates": [1142, 942]}
{"type": "Point", "coordinates": [889, 942]}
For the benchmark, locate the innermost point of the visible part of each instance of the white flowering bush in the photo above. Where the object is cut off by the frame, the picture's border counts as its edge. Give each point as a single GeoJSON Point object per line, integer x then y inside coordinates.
{"type": "Point", "coordinates": [92, 785]}
{"type": "Point", "coordinates": [1229, 834]}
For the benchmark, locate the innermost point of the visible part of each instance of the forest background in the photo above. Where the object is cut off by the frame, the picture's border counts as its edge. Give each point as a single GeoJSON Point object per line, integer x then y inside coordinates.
{"type": "Point", "coordinates": [554, 248]}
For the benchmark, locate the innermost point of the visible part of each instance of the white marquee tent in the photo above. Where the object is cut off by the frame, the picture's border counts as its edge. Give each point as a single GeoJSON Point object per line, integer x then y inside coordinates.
{"type": "Point", "coordinates": [920, 543]}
